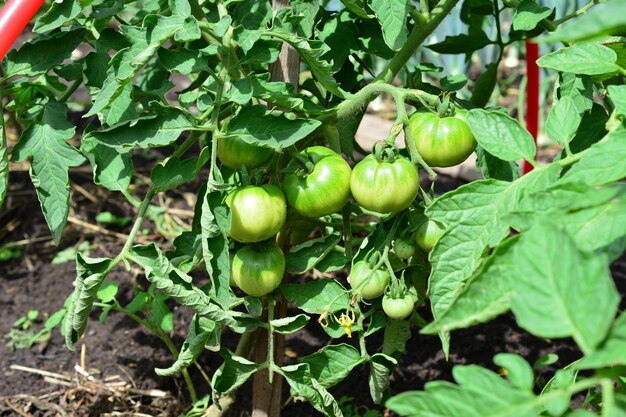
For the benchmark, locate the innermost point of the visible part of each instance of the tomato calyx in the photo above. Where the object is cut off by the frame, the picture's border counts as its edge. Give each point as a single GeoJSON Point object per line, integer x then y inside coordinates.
{"type": "Point", "coordinates": [384, 152]}
{"type": "Point", "coordinates": [304, 162]}
{"type": "Point", "coordinates": [445, 108]}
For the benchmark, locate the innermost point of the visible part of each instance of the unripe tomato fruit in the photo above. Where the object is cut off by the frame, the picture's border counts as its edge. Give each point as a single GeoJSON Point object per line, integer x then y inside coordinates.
{"type": "Point", "coordinates": [403, 248]}
{"type": "Point", "coordinates": [325, 190]}
{"type": "Point", "coordinates": [442, 141]}
{"type": "Point", "coordinates": [258, 273]}
{"type": "Point", "coordinates": [398, 308]}
{"type": "Point", "coordinates": [375, 286]}
{"type": "Point", "coordinates": [234, 152]}
{"type": "Point", "coordinates": [428, 234]}
{"type": "Point", "coordinates": [258, 213]}
{"type": "Point", "coordinates": [384, 187]}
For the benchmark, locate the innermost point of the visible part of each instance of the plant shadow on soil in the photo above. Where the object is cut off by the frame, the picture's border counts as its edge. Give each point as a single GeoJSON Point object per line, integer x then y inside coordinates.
{"type": "Point", "coordinates": [120, 347]}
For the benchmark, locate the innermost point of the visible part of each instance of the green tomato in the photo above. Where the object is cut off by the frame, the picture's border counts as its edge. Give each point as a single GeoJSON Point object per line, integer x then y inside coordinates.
{"type": "Point", "coordinates": [234, 153]}
{"type": "Point", "coordinates": [258, 213]}
{"type": "Point", "coordinates": [442, 141]}
{"type": "Point", "coordinates": [256, 272]}
{"type": "Point", "coordinates": [428, 234]}
{"type": "Point", "coordinates": [398, 308]}
{"type": "Point", "coordinates": [384, 187]}
{"type": "Point", "coordinates": [403, 248]}
{"type": "Point", "coordinates": [376, 283]}
{"type": "Point", "coordinates": [325, 190]}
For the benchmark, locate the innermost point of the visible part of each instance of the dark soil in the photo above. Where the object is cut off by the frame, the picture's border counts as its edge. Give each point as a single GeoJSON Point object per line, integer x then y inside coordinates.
{"type": "Point", "coordinates": [120, 348]}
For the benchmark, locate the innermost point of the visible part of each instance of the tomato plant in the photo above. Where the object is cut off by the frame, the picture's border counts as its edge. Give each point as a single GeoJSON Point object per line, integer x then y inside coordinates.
{"type": "Point", "coordinates": [258, 271]}
{"type": "Point", "coordinates": [442, 141]}
{"type": "Point", "coordinates": [321, 186]}
{"type": "Point", "coordinates": [384, 186]}
{"type": "Point", "coordinates": [236, 102]}
{"type": "Point", "coordinates": [257, 213]}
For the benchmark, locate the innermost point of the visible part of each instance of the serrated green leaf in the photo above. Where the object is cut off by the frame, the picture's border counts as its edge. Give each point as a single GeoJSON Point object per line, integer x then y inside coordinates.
{"type": "Point", "coordinates": [42, 53]}
{"type": "Point", "coordinates": [303, 385]}
{"type": "Point", "coordinates": [232, 374]}
{"type": "Point", "coordinates": [582, 58]}
{"type": "Point", "coordinates": [175, 172]}
{"type": "Point", "coordinates": [200, 331]}
{"type": "Point", "coordinates": [257, 127]}
{"type": "Point", "coordinates": [495, 168]}
{"type": "Point", "coordinates": [111, 169]}
{"type": "Point", "coordinates": [618, 97]}
{"type": "Point", "coordinates": [287, 325]}
{"type": "Point", "coordinates": [304, 257]}
{"type": "Point", "coordinates": [579, 88]}
{"type": "Point", "coordinates": [462, 44]}
{"type": "Point", "coordinates": [59, 13]}
{"type": "Point", "coordinates": [602, 19]}
{"type": "Point", "coordinates": [552, 271]}
{"type": "Point", "coordinates": [44, 143]}
{"type": "Point", "coordinates": [501, 135]}
{"type": "Point", "coordinates": [107, 291]}
{"type": "Point", "coordinates": [453, 82]}
{"type": "Point", "coordinates": [381, 366]}
{"type": "Point", "coordinates": [612, 351]}
{"type": "Point", "coordinates": [391, 15]}
{"type": "Point", "coordinates": [183, 61]}
{"type": "Point", "coordinates": [397, 333]}
{"type": "Point", "coordinates": [528, 14]}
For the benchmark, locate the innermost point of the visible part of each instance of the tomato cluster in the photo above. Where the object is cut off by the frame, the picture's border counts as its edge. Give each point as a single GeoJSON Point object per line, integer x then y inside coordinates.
{"type": "Point", "coordinates": [319, 182]}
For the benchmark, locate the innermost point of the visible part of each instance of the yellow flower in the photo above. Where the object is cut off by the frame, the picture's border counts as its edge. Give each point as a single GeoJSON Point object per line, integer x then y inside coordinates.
{"type": "Point", "coordinates": [346, 320]}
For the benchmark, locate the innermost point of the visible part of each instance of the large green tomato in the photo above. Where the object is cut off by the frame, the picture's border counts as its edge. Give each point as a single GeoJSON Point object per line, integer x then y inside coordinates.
{"type": "Point", "coordinates": [234, 153]}
{"type": "Point", "coordinates": [370, 284]}
{"type": "Point", "coordinates": [256, 272]}
{"type": "Point", "coordinates": [428, 234]}
{"type": "Point", "coordinates": [325, 190]}
{"type": "Point", "coordinates": [384, 187]}
{"type": "Point", "coordinates": [442, 141]}
{"type": "Point", "coordinates": [258, 213]}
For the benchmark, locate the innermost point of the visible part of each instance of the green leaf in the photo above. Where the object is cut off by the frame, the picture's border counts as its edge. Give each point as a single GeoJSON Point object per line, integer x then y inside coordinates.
{"type": "Point", "coordinates": [579, 88]}
{"type": "Point", "coordinates": [563, 121]}
{"type": "Point", "coordinates": [312, 57]}
{"type": "Point", "coordinates": [603, 162]}
{"type": "Point", "coordinates": [107, 291]}
{"type": "Point", "coordinates": [501, 135]}
{"type": "Point", "coordinates": [479, 392]}
{"type": "Point", "coordinates": [391, 15]}
{"type": "Point", "coordinates": [486, 295]}
{"type": "Point", "coordinates": [39, 55]}
{"type": "Point", "coordinates": [304, 257]}
{"type": "Point", "coordinates": [618, 97]}
{"type": "Point", "coordinates": [453, 82]}
{"type": "Point", "coordinates": [318, 296]}
{"type": "Point", "coordinates": [44, 142]}
{"type": "Point", "coordinates": [331, 364]}
{"type": "Point", "coordinates": [518, 371]}
{"type": "Point", "coordinates": [462, 44]}
{"type": "Point", "coordinates": [397, 333]}
{"type": "Point", "coordinates": [200, 331]}
{"type": "Point", "coordinates": [483, 88]}
{"type": "Point", "coordinates": [592, 129]}
{"type": "Point", "coordinates": [139, 300]}
{"type": "Point", "coordinates": [495, 168]}
{"type": "Point", "coordinates": [304, 386]}
{"type": "Point", "coordinates": [111, 169]}
{"type": "Point", "coordinates": [612, 351]}
{"type": "Point", "coordinates": [528, 14]}
{"type": "Point", "coordinates": [475, 216]}
{"type": "Point", "coordinates": [214, 223]}
{"type": "Point", "coordinates": [341, 35]}
{"type": "Point", "coordinates": [602, 19]}
{"type": "Point", "coordinates": [232, 374]}
{"type": "Point", "coordinates": [582, 58]}
{"type": "Point", "coordinates": [59, 13]}
{"type": "Point", "coordinates": [161, 129]}
{"type": "Point", "coordinates": [257, 127]}
{"type": "Point", "coordinates": [175, 172]}
{"type": "Point", "coordinates": [183, 61]}
{"type": "Point", "coordinates": [109, 218]}
{"type": "Point", "coordinates": [90, 274]}
{"type": "Point", "coordinates": [552, 271]}
{"type": "Point", "coordinates": [381, 366]}
{"type": "Point", "coordinates": [289, 325]}
{"type": "Point", "coordinates": [4, 159]}
{"type": "Point", "coordinates": [280, 94]}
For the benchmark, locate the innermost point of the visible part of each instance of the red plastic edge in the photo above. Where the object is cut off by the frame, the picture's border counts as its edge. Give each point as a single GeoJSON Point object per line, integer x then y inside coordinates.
{"type": "Point", "coordinates": [14, 17]}
{"type": "Point", "coordinates": [532, 94]}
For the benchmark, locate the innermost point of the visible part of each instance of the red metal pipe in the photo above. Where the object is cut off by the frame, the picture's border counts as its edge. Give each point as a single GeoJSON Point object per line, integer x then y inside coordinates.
{"type": "Point", "coordinates": [14, 17]}
{"type": "Point", "coordinates": [532, 94]}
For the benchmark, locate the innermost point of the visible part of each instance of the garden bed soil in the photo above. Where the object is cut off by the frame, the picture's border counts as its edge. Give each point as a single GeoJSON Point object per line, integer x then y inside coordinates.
{"type": "Point", "coordinates": [119, 352]}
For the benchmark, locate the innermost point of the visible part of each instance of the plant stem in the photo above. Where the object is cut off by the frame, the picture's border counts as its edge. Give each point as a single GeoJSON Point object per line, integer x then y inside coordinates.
{"type": "Point", "coordinates": [608, 397]}
{"type": "Point", "coordinates": [419, 33]}
{"type": "Point", "coordinates": [578, 12]}
{"type": "Point", "coordinates": [70, 90]}
{"type": "Point", "coordinates": [270, 337]}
